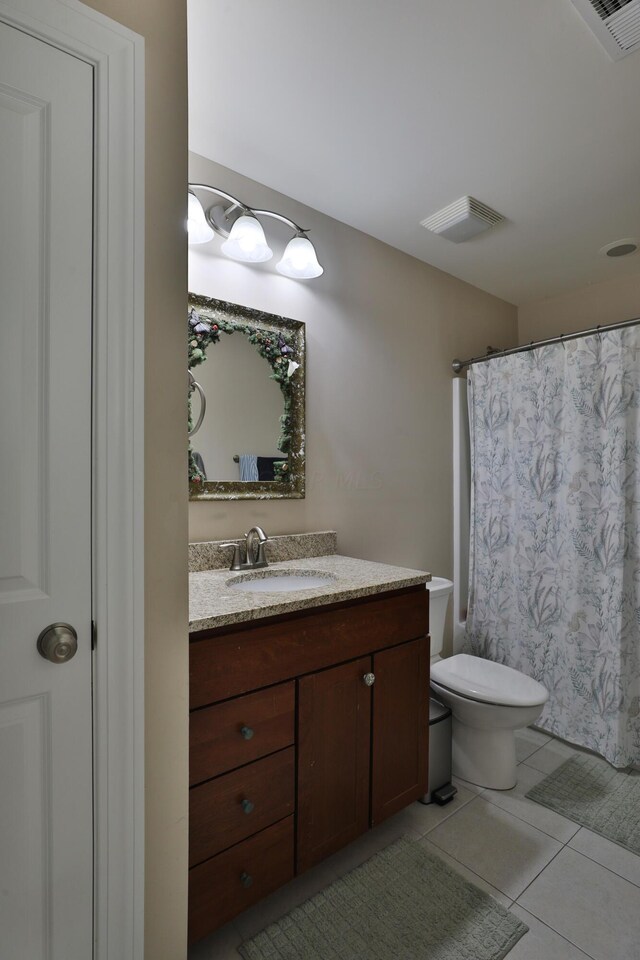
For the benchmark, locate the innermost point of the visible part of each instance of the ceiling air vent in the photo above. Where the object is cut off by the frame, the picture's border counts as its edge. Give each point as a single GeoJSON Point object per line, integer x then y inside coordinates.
{"type": "Point", "coordinates": [616, 24]}
{"type": "Point", "coordinates": [462, 219]}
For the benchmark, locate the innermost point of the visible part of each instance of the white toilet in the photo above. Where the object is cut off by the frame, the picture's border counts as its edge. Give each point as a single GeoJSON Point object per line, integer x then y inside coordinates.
{"type": "Point", "coordinates": [489, 702]}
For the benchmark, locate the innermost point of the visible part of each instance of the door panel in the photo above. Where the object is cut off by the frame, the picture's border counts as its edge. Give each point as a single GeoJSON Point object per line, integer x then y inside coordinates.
{"type": "Point", "coordinates": [23, 557]}
{"type": "Point", "coordinates": [334, 730]}
{"type": "Point", "coordinates": [25, 829]}
{"type": "Point", "coordinates": [46, 171]}
{"type": "Point", "coordinates": [400, 727]}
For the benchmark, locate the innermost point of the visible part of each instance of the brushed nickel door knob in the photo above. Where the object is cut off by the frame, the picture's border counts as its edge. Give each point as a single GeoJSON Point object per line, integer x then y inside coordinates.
{"type": "Point", "coordinates": [369, 679]}
{"type": "Point", "coordinates": [58, 643]}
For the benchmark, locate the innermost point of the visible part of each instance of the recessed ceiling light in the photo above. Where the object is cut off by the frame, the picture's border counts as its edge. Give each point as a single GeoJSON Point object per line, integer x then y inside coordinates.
{"type": "Point", "coordinates": [620, 248]}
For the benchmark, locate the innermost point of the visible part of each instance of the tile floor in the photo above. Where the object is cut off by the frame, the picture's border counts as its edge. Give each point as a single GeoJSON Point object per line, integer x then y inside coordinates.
{"type": "Point", "coordinates": [578, 893]}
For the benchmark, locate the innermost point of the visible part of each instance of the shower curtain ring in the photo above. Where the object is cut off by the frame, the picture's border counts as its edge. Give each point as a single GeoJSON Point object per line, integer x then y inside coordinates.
{"type": "Point", "coordinates": [562, 341]}
{"type": "Point", "coordinates": [598, 333]}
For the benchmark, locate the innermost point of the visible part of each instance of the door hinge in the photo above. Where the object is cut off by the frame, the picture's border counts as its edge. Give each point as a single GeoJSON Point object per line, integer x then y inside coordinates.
{"type": "Point", "coordinates": [94, 635]}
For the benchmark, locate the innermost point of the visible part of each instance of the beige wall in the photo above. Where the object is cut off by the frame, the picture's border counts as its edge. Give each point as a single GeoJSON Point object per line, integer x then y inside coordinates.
{"type": "Point", "coordinates": [382, 329]}
{"type": "Point", "coordinates": [598, 303]}
{"type": "Point", "coordinates": [163, 25]}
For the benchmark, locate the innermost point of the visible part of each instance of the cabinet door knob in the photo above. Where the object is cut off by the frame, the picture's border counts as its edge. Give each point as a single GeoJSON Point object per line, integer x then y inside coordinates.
{"type": "Point", "coordinates": [369, 679]}
{"type": "Point", "coordinates": [246, 733]}
{"type": "Point", "coordinates": [247, 806]}
{"type": "Point", "coordinates": [246, 880]}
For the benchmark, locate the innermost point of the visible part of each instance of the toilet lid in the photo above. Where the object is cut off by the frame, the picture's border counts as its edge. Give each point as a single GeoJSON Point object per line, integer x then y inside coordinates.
{"type": "Point", "coordinates": [438, 586]}
{"type": "Point", "coordinates": [488, 682]}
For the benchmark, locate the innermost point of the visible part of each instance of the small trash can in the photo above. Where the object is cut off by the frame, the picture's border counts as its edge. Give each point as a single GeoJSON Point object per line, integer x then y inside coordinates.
{"type": "Point", "coordinates": [441, 789]}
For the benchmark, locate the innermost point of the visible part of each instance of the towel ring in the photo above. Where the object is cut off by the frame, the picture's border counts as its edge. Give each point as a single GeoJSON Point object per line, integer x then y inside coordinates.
{"type": "Point", "coordinates": [194, 385]}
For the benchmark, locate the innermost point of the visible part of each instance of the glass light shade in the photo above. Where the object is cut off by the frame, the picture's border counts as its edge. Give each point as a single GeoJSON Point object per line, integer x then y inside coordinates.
{"type": "Point", "coordinates": [299, 260]}
{"type": "Point", "coordinates": [197, 226]}
{"type": "Point", "coordinates": [247, 241]}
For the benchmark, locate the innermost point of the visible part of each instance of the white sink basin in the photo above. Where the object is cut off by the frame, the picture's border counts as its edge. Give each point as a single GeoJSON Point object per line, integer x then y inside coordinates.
{"type": "Point", "coordinates": [280, 581]}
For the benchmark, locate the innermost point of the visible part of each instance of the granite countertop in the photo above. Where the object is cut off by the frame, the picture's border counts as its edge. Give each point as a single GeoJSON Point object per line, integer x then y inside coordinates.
{"type": "Point", "coordinates": [213, 604]}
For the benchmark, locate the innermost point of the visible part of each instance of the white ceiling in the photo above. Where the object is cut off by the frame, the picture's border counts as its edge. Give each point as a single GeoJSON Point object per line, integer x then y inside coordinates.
{"type": "Point", "coordinates": [379, 113]}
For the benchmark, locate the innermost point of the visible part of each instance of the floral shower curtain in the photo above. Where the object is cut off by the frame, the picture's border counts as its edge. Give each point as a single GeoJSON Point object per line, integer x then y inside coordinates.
{"type": "Point", "coordinates": [555, 531]}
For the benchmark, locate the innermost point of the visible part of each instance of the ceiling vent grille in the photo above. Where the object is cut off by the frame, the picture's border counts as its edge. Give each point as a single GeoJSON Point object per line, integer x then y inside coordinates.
{"type": "Point", "coordinates": [616, 24]}
{"type": "Point", "coordinates": [462, 219]}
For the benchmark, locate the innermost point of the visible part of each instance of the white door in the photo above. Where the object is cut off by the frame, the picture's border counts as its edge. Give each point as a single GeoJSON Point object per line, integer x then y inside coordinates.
{"type": "Point", "coordinates": [46, 158]}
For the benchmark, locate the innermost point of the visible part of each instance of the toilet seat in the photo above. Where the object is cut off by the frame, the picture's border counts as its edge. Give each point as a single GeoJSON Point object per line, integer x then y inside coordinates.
{"type": "Point", "coordinates": [488, 682]}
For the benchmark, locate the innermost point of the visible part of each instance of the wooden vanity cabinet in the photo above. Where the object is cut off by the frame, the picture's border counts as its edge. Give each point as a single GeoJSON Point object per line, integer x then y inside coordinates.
{"type": "Point", "coordinates": [292, 753]}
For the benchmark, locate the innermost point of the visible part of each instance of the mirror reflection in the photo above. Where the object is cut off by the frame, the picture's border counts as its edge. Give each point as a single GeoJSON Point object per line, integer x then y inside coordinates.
{"type": "Point", "coordinates": [246, 402]}
{"type": "Point", "coordinates": [241, 427]}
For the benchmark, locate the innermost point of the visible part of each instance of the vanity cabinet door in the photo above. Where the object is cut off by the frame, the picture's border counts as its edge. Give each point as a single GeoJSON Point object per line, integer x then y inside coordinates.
{"type": "Point", "coordinates": [334, 738]}
{"type": "Point", "coordinates": [400, 733]}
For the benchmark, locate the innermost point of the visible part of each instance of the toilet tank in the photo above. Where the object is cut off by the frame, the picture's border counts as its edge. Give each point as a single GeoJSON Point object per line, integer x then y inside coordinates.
{"type": "Point", "coordinates": [439, 592]}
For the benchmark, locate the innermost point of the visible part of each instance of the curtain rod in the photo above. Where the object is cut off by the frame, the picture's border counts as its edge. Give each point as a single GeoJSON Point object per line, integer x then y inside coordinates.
{"type": "Point", "coordinates": [459, 365]}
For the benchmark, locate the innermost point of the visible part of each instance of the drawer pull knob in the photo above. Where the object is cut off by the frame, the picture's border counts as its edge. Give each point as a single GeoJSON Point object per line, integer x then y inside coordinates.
{"type": "Point", "coordinates": [246, 880]}
{"type": "Point", "coordinates": [369, 679]}
{"type": "Point", "coordinates": [247, 806]}
{"type": "Point", "coordinates": [246, 733]}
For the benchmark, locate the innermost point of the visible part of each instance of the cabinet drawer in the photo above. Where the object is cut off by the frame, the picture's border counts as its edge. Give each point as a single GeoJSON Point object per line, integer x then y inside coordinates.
{"type": "Point", "coordinates": [235, 806]}
{"type": "Point", "coordinates": [234, 880]}
{"type": "Point", "coordinates": [230, 734]}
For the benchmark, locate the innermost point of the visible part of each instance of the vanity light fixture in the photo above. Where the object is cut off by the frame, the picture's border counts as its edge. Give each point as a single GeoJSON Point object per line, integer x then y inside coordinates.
{"type": "Point", "coordinates": [244, 235]}
{"type": "Point", "coordinates": [299, 259]}
{"type": "Point", "coordinates": [247, 241]}
{"type": "Point", "coordinates": [197, 227]}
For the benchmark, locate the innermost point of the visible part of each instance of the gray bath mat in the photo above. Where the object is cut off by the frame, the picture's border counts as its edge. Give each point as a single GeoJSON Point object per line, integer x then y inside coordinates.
{"type": "Point", "coordinates": [591, 792]}
{"type": "Point", "coordinates": [403, 904]}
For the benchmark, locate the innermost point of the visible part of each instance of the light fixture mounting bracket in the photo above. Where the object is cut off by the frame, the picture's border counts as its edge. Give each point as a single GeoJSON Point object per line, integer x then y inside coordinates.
{"type": "Point", "coordinates": [223, 216]}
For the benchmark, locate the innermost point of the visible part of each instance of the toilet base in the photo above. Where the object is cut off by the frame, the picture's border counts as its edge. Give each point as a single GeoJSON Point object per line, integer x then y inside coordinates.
{"type": "Point", "coordinates": [486, 758]}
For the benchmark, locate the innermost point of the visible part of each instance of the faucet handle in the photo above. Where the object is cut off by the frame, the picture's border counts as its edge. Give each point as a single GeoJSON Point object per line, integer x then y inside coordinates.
{"type": "Point", "coordinates": [236, 563]}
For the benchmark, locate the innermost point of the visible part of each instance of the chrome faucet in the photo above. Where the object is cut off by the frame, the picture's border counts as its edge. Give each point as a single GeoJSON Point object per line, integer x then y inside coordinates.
{"type": "Point", "coordinates": [254, 554]}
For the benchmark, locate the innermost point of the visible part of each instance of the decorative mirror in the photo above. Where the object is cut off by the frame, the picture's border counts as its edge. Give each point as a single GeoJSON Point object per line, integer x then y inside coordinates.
{"type": "Point", "coordinates": [246, 403]}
